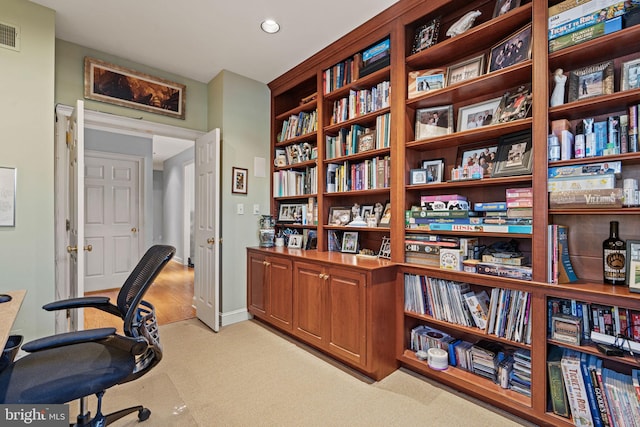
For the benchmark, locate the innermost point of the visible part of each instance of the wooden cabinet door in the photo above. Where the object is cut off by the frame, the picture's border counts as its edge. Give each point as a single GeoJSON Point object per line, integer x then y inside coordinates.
{"type": "Point", "coordinates": [257, 292]}
{"type": "Point", "coordinates": [347, 311]}
{"type": "Point", "coordinates": [280, 301]}
{"type": "Point", "coordinates": [309, 317]}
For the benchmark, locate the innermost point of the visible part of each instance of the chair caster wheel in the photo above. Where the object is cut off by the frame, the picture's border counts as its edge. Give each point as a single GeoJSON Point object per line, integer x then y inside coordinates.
{"type": "Point", "coordinates": [144, 414]}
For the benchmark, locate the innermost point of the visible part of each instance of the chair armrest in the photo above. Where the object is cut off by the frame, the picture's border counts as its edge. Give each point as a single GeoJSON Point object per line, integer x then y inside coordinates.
{"type": "Point", "coordinates": [101, 303]}
{"type": "Point", "coordinates": [68, 338]}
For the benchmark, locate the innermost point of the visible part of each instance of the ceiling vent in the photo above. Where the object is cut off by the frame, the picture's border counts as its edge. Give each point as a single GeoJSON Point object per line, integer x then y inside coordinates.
{"type": "Point", "coordinates": [9, 36]}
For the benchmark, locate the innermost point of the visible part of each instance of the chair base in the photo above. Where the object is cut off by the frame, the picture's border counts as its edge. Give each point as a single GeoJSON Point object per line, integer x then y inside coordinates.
{"type": "Point", "coordinates": [84, 419]}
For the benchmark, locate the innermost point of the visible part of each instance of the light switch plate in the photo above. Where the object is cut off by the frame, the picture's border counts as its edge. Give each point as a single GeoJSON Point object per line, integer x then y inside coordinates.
{"type": "Point", "coordinates": [256, 209]}
{"type": "Point", "coordinates": [240, 208]}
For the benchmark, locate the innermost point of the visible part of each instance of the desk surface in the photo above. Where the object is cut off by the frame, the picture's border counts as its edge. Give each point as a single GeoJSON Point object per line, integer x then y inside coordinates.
{"type": "Point", "coordinates": [8, 313]}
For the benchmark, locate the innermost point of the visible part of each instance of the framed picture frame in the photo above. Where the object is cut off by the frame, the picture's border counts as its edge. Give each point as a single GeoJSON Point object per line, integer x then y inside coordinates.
{"type": "Point", "coordinates": [424, 81]}
{"type": "Point", "coordinates": [633, 265]}
{"type": "Point", "coordinates": [434, 121]}
{"type": "Point", "coordinates": [504, 6]}
{"type": "Point", "coordinates": [8, 196]}
{"type": "Point", "coordinates": [350, 242]}
{"type": "Point", "coordinates": [290, 213]}
{"type": "Point", "coordinates": [239, 177]}
{"type": "Point", "coordinates": [513, 156]}
{"type": "Point", "coordinates": [512, 50]}
{"type": "Point", "coordinates": [125, 87]}
{"type": "Point", "coordinates": [465, 70]}
{"type": "Point", "coordinates": [385, 219]}
{"type": "Point", "coordinates": [280, 157]}
{"type": "Point", "coordinates": [477, 115]}
{"type": "Point", "coordinates": [366, 141]}
{"type": "Point", "coordinates": [514, 105]}
{"type": "Point", "coordinates": [590, 81]}
{"type": "Point", "coordinates": [435, 170]}
{"type": "Point", "coordinates": [631, 74]}
{"type": "Point", "coordinates": [295, 241]}
{"type": "Point", "coordinates": [339, 215]}
{"type": "Point", "coordinates": [426, 35]}
{"type": "Point", "coordinates": [482, 158]}
{"type": "Point", "coordinates": [366, 211]}
{"type": "Point", "coordinates": [417, 176]}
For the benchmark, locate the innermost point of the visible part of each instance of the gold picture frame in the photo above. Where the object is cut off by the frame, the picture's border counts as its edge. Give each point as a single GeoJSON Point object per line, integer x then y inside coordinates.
{"type": "Point", "coordinates": [125, 87]}
{"type": "Point", "coordinates": [593, 80]}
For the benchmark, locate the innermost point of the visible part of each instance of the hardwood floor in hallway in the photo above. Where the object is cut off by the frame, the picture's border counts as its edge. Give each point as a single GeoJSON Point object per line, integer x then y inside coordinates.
{"type": "Point", "coordinates": [171, 294]}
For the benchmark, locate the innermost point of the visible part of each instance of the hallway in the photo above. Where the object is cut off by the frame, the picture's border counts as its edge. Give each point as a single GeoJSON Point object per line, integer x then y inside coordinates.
{"type": "Point", "coordinates": [171, 294]}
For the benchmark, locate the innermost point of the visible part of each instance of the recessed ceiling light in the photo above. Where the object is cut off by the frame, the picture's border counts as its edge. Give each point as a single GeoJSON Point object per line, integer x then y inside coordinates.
{"type": "Point", "coordinates": [270, 26]}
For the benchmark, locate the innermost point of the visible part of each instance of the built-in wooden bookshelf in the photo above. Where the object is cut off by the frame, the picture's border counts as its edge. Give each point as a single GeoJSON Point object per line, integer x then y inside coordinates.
{"type": "Point", "coordinates": [304, 90]}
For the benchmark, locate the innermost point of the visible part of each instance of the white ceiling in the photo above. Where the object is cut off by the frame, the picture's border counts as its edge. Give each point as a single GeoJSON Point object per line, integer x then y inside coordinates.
{"type": "Point", "coordinates": [199, 38]}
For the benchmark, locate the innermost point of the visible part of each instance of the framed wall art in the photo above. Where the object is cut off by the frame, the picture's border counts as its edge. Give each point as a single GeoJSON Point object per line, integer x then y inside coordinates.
{"type": "Point", "coordinates": [513, 156]}
{"type": "Point", "coordinates": [513, 50]}
{"type": "Point", "coordinates": [477, 115]}
{"type": "Point", "coordinates": [239, 178]}
{"type": "Point", "coordinates": [423, 81]}
{"type": "Point", "coordinates": [594, 80]}
{"type": "Point", "coordinates": [434, 121]}
{"type": "Point", "coordinates": [7, 197]}
{"type": "Point", "coordinates": [122, 86]}
{"type": "Point", "coordinates": [465, 70]}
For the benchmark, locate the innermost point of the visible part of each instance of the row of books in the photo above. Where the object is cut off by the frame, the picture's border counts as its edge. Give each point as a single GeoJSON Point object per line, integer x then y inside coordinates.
{"type": "Point", "coordinates": [485, 358]}
{"type": "Point", "coordinates": [299, 124]}
{"type": "Point", "coordinates": [559, 268]}
{"type": "Point", "coordinates": [600, 318]}
{"type": "Point", "coordinates": [341, 74]}
{"type": "Point", "coordinates": [583, 389]}
{"type": "Point", "coordinates": [361, 102]}
{"type": "Point", "coordinates": [365, 175]}
{"type": "Point", "coordinates": [504, 314]}
{"type": "Point", "coordinates": [294, 182]}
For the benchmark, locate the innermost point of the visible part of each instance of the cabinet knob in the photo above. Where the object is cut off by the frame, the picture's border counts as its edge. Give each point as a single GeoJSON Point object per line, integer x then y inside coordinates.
{"type": "Point", "coordinates": [267, 263]}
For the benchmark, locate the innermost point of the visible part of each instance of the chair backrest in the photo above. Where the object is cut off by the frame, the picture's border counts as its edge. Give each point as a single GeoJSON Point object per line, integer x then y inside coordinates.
{"type": "Point", "coordinates": [136, 285]}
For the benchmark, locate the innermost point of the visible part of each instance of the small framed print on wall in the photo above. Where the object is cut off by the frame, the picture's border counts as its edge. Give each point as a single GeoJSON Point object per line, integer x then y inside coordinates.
{"type": "Point", "coordinates": [239, 177]}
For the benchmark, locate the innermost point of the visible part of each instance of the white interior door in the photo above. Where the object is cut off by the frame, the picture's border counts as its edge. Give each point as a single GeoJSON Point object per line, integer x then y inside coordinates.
{"type": "Point", "coordinates": [112, 212]}
{"type": "Point", "coordinates": [207, 229]}
{"type": "Point", "coordinates": [77, 246]}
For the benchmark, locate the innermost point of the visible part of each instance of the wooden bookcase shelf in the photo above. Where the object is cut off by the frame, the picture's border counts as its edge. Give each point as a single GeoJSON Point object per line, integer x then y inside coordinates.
{"type": "Point", "coordinates": [399, 23]}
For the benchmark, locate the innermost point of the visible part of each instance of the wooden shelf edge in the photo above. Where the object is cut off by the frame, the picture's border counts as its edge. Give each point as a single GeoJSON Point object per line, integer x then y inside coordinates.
{"type": "Point", "coordinates": [309, 106]}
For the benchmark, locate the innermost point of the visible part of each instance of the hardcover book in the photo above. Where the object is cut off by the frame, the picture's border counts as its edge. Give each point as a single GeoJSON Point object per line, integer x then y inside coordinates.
{"type": "Point", "coordinates": [576, 389]}
{"type": "Point", "coordinates": [557, 391]}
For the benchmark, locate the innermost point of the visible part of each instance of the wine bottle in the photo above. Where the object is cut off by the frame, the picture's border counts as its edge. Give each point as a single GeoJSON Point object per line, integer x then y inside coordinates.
{"type": "Point", "coordinates": [614, 251]}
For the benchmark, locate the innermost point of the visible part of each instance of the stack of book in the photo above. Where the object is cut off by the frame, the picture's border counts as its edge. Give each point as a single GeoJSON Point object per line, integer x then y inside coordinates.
{"type": "Point", "coordinates": [559, 268]}
{"type": "Point", "coordinates": [572, 22]}
{"type": "Point", "coordinates": [485, 357]}
{"type": "Point", "coordinates": [425, 249]}
{"type": "Point", "coordinates": [425, 337]}
{"type": "Point", "coordinates": [520, 376]}
{"type": "Point", "coordinates": [585, 186]}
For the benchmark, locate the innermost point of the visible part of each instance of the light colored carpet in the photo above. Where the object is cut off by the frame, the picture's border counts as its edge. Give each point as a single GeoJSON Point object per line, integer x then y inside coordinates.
{"type": "Point", "coordinates": [249, 375]}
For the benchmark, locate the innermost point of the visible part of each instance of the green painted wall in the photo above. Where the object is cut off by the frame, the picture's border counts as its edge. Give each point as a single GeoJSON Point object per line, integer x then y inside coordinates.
{"type": "Point", "coordinates": [27, 125]}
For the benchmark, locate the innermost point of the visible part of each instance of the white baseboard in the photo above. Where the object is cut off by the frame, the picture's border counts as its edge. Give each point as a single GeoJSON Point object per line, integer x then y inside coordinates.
{"type": "Point", "coordinates": [235, 316]}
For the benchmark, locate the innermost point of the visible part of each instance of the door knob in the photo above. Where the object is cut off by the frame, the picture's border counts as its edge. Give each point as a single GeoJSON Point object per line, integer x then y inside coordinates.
{"type": "Point", "coordinates": [134, 230]}
{"type": "Point", "coordinates": [211, 240]}
{"type": "Point", "coordinates": [71, 249]}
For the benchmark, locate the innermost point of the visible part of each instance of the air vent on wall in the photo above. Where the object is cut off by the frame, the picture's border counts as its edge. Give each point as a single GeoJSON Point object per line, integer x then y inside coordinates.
{"type": "Point", "coordinates": [9, 36]}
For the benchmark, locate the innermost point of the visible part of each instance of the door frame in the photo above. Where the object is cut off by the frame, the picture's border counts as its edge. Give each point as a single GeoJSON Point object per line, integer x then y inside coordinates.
{"type": "Point", "coordinates": [97, 121]}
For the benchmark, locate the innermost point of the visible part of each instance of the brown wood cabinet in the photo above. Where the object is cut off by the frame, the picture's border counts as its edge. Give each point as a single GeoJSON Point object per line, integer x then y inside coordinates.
{"type": "Point", "coordinates": [341, 306]}
{"type": "Point", "coordinates": [269, 290]}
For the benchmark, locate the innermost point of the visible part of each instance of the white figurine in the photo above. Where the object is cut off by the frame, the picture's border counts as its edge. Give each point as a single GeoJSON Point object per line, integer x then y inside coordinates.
{"type": "Point", "coordinates": [557, 96]}
{"type": "Point", "coordinates": [463, 24]}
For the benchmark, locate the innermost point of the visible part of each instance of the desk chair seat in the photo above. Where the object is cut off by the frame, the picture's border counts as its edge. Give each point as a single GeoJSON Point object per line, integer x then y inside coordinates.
{"type": "Point", "coordinates": [74, 365]}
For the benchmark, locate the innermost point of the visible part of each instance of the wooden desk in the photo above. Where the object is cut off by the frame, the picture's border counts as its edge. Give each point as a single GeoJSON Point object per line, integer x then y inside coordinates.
{"type": "Point", "coordinates": [8, 313]}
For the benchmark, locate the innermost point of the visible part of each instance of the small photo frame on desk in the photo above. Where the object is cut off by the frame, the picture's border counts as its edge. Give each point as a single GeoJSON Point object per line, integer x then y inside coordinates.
{"type": "Point", "coordinates": [350, 242]}
{"type": "Point", "coordinates": [513, 155]}
{"type": "Point", "coordinates": [295, 241]}
{"type": "Point", "coordinates": [594, 80]}
{"type": "Point", "coordinates": [633, 265]}
{"type": "Point", "coordinates": [631, 74]}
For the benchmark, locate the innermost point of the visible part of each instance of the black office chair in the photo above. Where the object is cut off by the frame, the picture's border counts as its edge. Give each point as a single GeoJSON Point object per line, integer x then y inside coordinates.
{"type": "Point", "coordinates": [75, 365]}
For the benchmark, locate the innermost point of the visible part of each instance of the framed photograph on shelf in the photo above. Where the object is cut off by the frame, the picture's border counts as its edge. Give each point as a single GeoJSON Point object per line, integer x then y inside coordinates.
{"type": "Point", "coordinates": [417, 176]}
{"type": "Point", "coordinates": [350, 242]}
{"type": "Point", "coordinates": [514, 105]}
{"type": "Point", "coordinates": [435, 170]}
{"type": "Point", "coordinates": [477, 115]}
{"type": "Point", "coordinates": [426, 36]}
{"type": "Point", "coordinates": [385, 219]}
{"type": "Point", "coordinates": [504, 6]}
{"type": "Point", "coordinates": [513, 50]}
{"type": "Point", "coordinates": [239, 177]}
{"type": "Point", "coordinates": [366, 141]}
{"type": "Point", "coordinates": [280, 157]}
{"type": "Point", "coordinates": [295, 241]}
{"type": "Point", "coordinates": [290, 213]}
{"type": "Point", "coordinates": [594, 80]}
{"type": "Point", "coordinates": [465, 70]}
{"type": "Point", "coordinates": [481, 159]}
{"type": "Point", "coordinates": [633, 265]}
{"type": "Point", "coordinates": [339, 215]}
{"type": "Point", "coordinates": [631, 75]}
{"type": "Point", "coordinates": [423, 81]}
{"type": "Point", "coordinates": [513, 156]}
{"type": "Point", "coordinates": [434, 121]}
{"type": "Point", "coordinates": [366, 211]}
